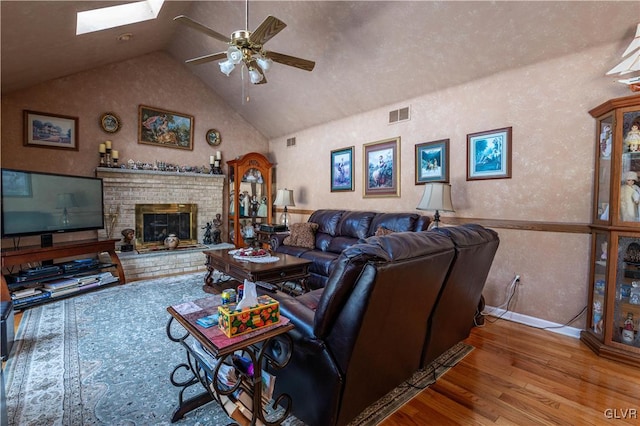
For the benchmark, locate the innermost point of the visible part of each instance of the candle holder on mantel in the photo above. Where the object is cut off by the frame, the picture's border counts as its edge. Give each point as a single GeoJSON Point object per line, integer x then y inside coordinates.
{"type": "Point", "coordinates": [214, 164]}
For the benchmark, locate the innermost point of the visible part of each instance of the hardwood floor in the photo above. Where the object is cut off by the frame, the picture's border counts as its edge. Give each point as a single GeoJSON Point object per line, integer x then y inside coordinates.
{"type": "Point", "coordinates": [519, 375]}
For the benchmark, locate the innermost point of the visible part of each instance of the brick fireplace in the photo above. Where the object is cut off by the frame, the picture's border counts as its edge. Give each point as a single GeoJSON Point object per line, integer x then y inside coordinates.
{"type": "Point", "coordinates": [124, 188]}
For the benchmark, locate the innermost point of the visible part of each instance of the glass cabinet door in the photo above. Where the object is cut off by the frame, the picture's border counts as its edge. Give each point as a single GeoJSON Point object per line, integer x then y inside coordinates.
{"type": "Point", "coordinates": [599, 284]}
{"type": "Point", "coordinates": [626, 299]}
{"type": "Point", "coordinates": [603, 181]}
{"type": "Point", "coordinates": [630, 170]}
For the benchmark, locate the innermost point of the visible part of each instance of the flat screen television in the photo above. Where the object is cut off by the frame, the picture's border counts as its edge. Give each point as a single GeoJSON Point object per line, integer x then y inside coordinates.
{"type": "Point", "coordinates": [35, 203]}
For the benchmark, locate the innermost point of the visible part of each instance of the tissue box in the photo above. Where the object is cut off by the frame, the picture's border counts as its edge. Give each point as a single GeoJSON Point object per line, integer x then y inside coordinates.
{"type": "Point", "coordinates": [233, 322]}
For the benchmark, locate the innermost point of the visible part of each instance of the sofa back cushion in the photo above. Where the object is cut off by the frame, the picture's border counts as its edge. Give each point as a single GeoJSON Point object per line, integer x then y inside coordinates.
{"type": "Point", "coordinates": [381, 323]}
{"type": "Point", "coordinates": [327, 221]}
{"type": "Point", "coordinates": [396, 222]}
{"type": "Point", "coordinates": [452, 319]}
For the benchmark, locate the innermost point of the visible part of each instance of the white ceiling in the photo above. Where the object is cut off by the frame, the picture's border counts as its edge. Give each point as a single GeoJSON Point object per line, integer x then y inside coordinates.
{"type": "Point", "coordinates": [368, 54]}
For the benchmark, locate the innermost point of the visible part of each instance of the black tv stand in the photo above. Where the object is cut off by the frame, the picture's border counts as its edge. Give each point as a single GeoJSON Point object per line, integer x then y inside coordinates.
{"type": "Point", "coordinates": [23, 256]}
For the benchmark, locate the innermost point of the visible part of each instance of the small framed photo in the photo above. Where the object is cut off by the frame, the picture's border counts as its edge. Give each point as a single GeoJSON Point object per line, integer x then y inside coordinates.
{"type": "Point", "coordinates": [42, 129]}
{"type": "Point", "coordinates": [342, 169]}
{"type": "Point", "coordinates": [489, 154]}
{"type": "Point", "coordinates": [381, 173]}
{"type": "Point", "coordinates": [165, 128]}
{"type": "Point", "coordinates": [432, 162]}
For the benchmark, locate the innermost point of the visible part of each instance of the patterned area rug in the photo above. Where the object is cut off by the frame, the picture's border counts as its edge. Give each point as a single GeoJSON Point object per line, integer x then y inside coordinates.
{"type": "Point", "coordinates": [103, 358]}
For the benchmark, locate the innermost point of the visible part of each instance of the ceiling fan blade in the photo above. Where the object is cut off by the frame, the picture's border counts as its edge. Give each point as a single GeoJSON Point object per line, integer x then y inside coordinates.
{"type": "Point", "coordinates": [207, 58]}
{"type": "Point", "coordinates": [266, 30]}
{"type": "Point", "coordinates": [199, 27]}
{"type": "Point", "coordinates": [292, 61]}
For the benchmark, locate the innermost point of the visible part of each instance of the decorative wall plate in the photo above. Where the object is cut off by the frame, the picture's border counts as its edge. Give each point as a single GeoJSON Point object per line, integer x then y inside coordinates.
{"type": "Point", "coordinates": [213, 137]}
{"type": "Point", "coordinates": [110, 122]}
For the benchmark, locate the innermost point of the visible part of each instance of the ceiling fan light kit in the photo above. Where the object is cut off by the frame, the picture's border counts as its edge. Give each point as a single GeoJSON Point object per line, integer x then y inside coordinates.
{"type": "Point", "coordinates": [246, 48]}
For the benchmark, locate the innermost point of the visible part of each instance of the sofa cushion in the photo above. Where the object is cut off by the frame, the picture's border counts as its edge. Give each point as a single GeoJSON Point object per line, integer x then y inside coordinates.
{"type": "Point", "coordinates": [339, 243]}
{"type": "Point", "coordinates": [292, 250]}
{"type": "Point", "coordinates": [327, 221]}
{"type": "Point", "coordinates": [302, 235]}
{"type": "Point", "coordinates": [322, 261]}
{"type": "Point", "coordinates": [397, 222]}
{"type": "Point", "coordinates": [355, 224]}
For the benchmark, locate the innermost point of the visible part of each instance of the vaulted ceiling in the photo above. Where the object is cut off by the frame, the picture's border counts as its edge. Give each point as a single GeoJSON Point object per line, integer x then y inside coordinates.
{"type": "Point", "coordinates": [368, 54]}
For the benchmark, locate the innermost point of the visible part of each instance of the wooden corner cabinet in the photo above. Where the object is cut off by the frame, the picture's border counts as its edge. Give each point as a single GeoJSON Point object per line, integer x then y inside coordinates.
{"type": "Point", "coordinates": [250, 197]}
{"type": "Point", "coordinates": [613, 321]}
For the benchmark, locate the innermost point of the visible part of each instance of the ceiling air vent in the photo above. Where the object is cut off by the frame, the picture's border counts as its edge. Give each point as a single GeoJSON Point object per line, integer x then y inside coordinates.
{"type": "Point", "coordinates": [397, 115]}
{"type": "Point", "coordinates": [291, 142]}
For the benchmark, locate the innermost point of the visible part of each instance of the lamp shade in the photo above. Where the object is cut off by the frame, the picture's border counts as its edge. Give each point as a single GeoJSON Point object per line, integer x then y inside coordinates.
{"type": "Point", "coordinates": [284, 198]}
{"type": "Point", "coordinates": [436, 196]}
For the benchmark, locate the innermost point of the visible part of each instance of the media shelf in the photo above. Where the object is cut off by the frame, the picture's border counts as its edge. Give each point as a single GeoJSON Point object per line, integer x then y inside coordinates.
{"type": "Point", "coordinates": [55, 286]}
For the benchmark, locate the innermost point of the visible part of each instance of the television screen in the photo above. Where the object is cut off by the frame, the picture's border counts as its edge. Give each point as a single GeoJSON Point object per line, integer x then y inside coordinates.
{"type": "Point", "coordinates": [41, 203]}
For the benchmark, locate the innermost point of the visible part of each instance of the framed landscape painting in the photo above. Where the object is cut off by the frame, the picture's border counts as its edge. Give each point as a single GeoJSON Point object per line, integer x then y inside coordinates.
{"type": "Point", "coordinates": [381, 168]}
{"type": "Point", "coordinates": [489, 154]}
{"type": "Point", "coordinates": [47, 130]}
{"type": "Point", "coordinates": [342, 169]}
{"type": "Point", "coordinates": [165, 128]}
{"type": "Point", "coordinates": [432, 162]}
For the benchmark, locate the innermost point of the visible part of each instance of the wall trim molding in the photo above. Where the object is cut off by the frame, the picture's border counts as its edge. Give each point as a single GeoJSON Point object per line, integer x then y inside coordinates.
{"type": "Point", "coordinates": [533, 322]}
{"type": "Point", "coordinates": [522, 225]}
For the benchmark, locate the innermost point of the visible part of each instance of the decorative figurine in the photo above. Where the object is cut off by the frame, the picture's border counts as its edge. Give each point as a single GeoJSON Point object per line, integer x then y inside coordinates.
{"type": "Point", "coordinates": [632, 140]}
{"type": "Point", "coordinates": [127, 239]}
{"type": "Point", "coordinates": [262, 208]}
{"type": "Point", "coordinates": [207, 234]}
{"type": "Point", "coordinates": [597, 317]}
{"type": "Point", "coordinates": [217, 223]}
{"type": "Point", "coordinates": [629, 197]}
{"type": "Point", "coordinates": [628, 333]}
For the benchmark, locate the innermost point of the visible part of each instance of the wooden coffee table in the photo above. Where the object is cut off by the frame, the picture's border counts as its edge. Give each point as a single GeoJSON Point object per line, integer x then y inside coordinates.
{"type": "Point", "coordinates": [287, 268]}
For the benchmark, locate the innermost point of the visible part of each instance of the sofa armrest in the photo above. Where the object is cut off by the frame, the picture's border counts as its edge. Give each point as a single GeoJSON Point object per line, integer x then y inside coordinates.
{"type": "Point", "coordinates": [277, 239]}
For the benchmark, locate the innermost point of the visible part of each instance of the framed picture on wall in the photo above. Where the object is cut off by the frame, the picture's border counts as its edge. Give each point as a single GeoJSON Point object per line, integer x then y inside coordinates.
{"type": "Point", "coordinates": [432, 162]}
{"type": "Point", "coordinates": [342, 169]}
{"type": "Point", "coordinates": [165, 128]}
{"type": "Point", "coordinates": [489, 154]}
{"type": "Point", "coordinates": [42, 129]}
{"type": "Point", "coordinates": [381, 168]}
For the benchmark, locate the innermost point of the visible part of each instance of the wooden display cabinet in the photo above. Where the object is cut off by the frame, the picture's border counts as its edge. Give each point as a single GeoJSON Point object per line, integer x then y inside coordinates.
{"type": "Point", "coordinates": [613, 321]}
{"type": "Point", "coordinates": [250, 197]}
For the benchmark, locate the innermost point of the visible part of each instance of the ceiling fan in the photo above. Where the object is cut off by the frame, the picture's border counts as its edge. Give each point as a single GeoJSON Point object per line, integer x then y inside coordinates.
{"type": "Point", "coordinates": [247, 48]}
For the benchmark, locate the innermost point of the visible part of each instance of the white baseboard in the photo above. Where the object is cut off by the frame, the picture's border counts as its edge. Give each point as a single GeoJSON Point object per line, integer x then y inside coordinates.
{"type": "Point", "coordinates": [533, 321]}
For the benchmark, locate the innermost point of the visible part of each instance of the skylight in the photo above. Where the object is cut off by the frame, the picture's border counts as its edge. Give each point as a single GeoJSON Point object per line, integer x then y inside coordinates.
{"type": "Point", "coordinates": [116, 16]}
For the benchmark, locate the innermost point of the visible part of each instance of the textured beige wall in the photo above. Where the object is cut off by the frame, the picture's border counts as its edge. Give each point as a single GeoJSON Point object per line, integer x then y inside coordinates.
{"type": "Point", "coordinates": [553, 142]}
{"type": "Point", "coordinates": [154, 80]}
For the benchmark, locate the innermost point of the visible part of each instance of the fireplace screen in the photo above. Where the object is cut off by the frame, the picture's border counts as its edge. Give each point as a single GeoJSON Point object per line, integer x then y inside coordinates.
{"type": "Point", "coordinates": [154, 223]}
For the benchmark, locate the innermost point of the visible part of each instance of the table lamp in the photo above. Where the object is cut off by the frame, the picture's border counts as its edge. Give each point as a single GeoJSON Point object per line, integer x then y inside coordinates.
{"type": "Point", "coordinates": [436, 196]}
{"type": "Point", "coordinates": [284, 198]}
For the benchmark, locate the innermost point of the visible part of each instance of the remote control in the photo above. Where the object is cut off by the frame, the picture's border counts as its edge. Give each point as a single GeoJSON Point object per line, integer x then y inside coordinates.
{"type": "Point", "coordinates": [267, 286]}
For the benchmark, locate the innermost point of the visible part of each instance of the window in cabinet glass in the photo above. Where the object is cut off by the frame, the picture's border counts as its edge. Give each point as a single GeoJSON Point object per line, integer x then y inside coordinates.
{"type": "Point", "coordinates": [630, 189]}
{"type": "Point", "coordinates": [599, 285]}
{"type": "Point", "coordinates": [626, 311]}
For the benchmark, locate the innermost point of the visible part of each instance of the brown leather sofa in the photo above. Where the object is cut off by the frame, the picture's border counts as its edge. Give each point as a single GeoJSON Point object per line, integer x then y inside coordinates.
{"type": "Point", "coordinates": [370, 328]}
{"type": "Point", "coordinates": [339, 229]}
